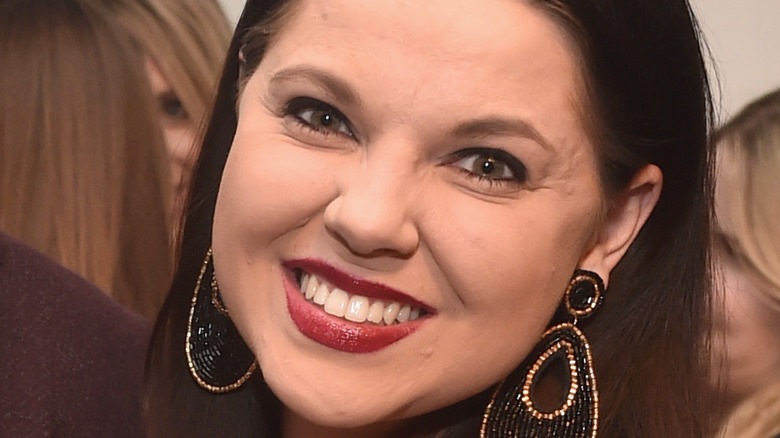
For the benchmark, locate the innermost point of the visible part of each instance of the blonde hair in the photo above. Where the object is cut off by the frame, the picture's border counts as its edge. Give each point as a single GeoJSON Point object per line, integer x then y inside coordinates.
{"type": "Point", "coordinates": [84, 172]}
{"type": "Point", "coordinates": [750, 187]}
{"type": "Point", "coordinates": [751, 140]}
{"type": "Point", "coordinates": [187, 40]}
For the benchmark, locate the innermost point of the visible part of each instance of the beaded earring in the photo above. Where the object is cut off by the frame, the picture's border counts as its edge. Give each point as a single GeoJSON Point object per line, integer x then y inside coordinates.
{"type": "Point", "coordinates": [514, 411]}
{"type": "Point", "coordinates": [217, 356]}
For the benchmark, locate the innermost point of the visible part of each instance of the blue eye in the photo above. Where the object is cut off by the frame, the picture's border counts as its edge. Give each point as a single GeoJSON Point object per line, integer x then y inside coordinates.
{"type": "Point", "coordinates": [492, 165]}
{"type": "Point", "coordinates": [319, 116]}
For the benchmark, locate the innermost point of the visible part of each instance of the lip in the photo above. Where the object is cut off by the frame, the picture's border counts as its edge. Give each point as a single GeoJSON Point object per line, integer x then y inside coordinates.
{"type": "Point", "coordinates": [338, 333]}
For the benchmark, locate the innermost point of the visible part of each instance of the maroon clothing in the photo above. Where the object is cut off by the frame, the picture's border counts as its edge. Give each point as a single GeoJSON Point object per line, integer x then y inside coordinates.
{"type": "Point", "coordinates": [71, 359]}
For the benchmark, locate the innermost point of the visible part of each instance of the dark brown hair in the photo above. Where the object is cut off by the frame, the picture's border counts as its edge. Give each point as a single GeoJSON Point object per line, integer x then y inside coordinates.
{"type": "Point", "coordinates": [647, 101]}
{"type": "Point", "coordinates": [83, 165]}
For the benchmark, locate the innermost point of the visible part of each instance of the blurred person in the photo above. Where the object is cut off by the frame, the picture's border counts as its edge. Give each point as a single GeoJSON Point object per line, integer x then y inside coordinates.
{"type": "Point", "coordinates": [184, 43]}
{"type": "Point", "coordinates": [83, 165]}
{"type": "Point", "coordinates": [747, 242]}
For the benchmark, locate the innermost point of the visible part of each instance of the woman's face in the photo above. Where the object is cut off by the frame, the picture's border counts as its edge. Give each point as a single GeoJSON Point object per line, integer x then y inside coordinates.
{"type": "Point", "coordinates": [178, 129]}
{"type": "Point", "coordinates": [424, 162]}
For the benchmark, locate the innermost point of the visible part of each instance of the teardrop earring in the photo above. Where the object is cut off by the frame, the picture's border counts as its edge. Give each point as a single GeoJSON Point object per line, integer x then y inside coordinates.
{"type": "Point", "coordinates": [218, 358]}
{"type": "Point", "coordinates": [513, 409]}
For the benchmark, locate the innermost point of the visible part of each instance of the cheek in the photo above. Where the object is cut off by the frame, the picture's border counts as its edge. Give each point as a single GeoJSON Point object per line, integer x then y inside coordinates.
{"type": "Point", "coordinates": [740, 310]}
{"type": "Point", "coordinates": [506, 268]}
{"type": "Point", "coordinates": [268, 188]}
{"type": "Point", "coordinates": [521, 253]}
{"type": "Point", "coordinates": [180, 141]}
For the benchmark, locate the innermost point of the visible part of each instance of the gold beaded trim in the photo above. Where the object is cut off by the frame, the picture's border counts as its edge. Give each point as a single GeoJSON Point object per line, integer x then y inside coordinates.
{"type": "Point", "coordinates": [573, 385]}
{"type": "Point", "coordinates": [216, 299]}
{"type": "Point", "coordinates": [190, 364]}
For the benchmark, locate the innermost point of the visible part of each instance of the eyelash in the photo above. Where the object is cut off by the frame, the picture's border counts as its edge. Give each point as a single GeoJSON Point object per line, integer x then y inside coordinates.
{"type": "Point", "coordinates": [297, 107]}
{"type": "Point", "coordinates": [518, 171]}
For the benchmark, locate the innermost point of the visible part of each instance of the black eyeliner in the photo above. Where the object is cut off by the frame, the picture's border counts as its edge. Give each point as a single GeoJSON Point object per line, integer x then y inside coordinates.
{"type": "Point", "coordinates": [518, 169]}
{"type": "Point", "coordinates": [302, 103]}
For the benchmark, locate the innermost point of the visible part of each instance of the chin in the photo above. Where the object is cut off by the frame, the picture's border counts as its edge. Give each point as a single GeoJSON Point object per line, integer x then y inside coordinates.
{"type": "Point", "coordinates": [333, 406]}
{"type": "Point", "coordinates": [330, 414]}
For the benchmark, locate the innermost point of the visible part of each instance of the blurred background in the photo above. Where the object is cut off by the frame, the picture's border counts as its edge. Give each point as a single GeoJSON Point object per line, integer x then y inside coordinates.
{"type": "Point", "coordinates": [743, 35]}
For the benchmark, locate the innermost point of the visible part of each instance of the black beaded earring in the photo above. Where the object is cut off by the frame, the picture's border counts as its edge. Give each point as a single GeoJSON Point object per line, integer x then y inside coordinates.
{"type": "Point", "coordinates": [217, 356]}
{"type": "Point", "coordinates": [513, 410]}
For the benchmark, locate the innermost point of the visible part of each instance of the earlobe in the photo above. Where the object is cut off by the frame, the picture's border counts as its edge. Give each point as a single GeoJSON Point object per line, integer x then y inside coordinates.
{"type": "Point", "coordinates": [624, 220]}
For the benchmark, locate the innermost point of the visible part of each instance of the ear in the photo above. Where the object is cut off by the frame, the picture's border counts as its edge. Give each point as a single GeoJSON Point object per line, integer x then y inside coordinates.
{"type": "Point", "coordinates": [623, 221]}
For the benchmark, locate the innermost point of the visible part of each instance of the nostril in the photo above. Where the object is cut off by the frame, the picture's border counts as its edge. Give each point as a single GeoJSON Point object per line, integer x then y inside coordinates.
{"type": "Point", "coordinates": [371, 226]}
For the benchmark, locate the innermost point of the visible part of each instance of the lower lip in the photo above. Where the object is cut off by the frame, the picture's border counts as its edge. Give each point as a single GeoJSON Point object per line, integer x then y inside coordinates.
{"type": "Point", "coordinates": [338, 333]}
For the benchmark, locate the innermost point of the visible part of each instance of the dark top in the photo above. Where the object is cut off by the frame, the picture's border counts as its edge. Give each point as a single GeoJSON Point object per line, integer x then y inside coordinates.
{"type": "Point", "coordinates": [71, 359]}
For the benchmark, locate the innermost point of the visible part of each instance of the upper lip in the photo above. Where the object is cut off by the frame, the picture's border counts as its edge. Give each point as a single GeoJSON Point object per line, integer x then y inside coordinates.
{"type": "Point", "coordinates": [353, 284]}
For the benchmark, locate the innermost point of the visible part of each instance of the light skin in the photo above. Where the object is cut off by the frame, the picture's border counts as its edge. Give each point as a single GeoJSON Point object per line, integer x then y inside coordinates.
{"type": "Point", "coordinates": [389, 187]}
{"type": "Point", "coordinates": [750, 319]}
{"type": "Point", "coordinates": [178, 129]}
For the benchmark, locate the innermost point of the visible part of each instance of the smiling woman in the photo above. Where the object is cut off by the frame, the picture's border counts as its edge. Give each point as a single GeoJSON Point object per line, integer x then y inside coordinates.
{"type": "Point", "coordinates": [416, 211]}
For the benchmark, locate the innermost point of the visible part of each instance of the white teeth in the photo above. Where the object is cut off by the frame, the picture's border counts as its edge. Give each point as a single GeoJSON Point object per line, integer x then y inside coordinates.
{"type": "Point", "coordinates": [321, 296]}
{"type": "Point", "coordinates": [305, 282]}
{"type": "Point", "coordinates": [375, 312]}
{"type": "Point", "coordinates": [403, 314]}
{"type": "Point", "coordinates": [355, 308]}
{"type": "Point", "coordinates": [336, 303]}
{"type": "Point", "coordinates": [311, 287]}
{"type": "Point", "coordinates": [391, 312]}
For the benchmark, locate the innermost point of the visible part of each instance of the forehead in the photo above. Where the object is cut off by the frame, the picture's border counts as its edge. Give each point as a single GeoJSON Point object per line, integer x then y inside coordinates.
{"type": "Point", "coordinates": [470, 25]}
{"type": "Point", "coordinates": [495, 52]}
{"type": "Point", "coordinates": [495, 32]}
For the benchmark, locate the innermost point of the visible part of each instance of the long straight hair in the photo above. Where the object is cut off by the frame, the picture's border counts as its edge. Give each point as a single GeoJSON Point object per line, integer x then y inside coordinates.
{"type": "Point", "coordinates": [647, 101]}
{"type": "Point", "coordinates": [187, 40]}
{"type": "Point", "coordinates": [83, 170]}
{"type": "Point", "coordinates": [753, 139]}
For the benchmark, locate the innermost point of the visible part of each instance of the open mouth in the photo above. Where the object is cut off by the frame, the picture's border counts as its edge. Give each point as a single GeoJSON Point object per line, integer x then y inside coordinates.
{"type": "Point", "coordinates": [348, 313]}
{"type": "Point", "coordinates": [353, 307]}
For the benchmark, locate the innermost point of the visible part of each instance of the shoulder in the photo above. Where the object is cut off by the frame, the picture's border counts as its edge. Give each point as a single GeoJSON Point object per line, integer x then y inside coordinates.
{"type": "Point", "coordinates": [72, 358]}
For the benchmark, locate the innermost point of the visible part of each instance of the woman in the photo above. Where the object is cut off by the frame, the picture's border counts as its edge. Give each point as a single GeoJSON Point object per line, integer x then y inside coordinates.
{"type": "Point", "coordinates": [184, 44]}
{"type": "Point", "coordinates": [84, 168]}
{"type": "Point", "coordinates": [400, 196]}
{"type": "Point", "coordinates": [748, 255]}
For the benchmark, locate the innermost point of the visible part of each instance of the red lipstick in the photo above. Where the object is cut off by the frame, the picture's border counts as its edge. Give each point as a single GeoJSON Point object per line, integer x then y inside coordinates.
{"type": "Point", "coordinates": [337, 333]}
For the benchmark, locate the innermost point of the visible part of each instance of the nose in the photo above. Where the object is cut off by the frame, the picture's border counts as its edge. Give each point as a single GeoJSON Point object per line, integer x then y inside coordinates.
{"type": "Point", "coordinates": [372, 214]}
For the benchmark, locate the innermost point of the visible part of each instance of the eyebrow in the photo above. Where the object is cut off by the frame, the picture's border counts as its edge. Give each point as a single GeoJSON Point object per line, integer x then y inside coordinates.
{"type": "Point", "coordinates": [343, 92]}
{"type": "Point", "coordinates": [497, 126]}
{"type": "Point", "coordinates": [332, 84]}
